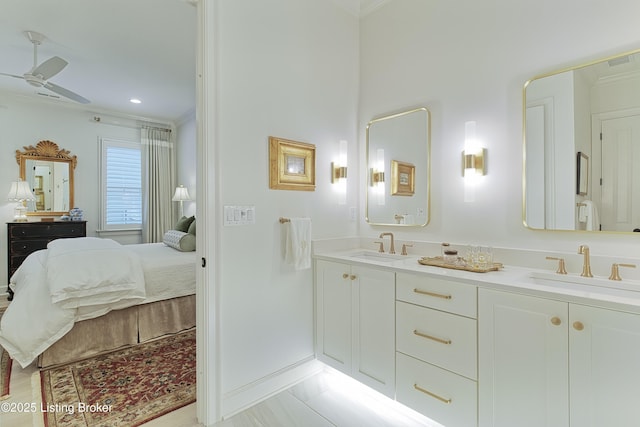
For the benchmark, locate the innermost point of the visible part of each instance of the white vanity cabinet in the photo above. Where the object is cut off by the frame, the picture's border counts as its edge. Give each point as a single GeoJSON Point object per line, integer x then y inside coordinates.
{"type": "Point", "coordinates": [355, 315]}
{"type": "Point", "coordinates": [523, 350]}
{"type": "Point", "coordinates": [436, 343]}
{"type": "Point", "coordinates": [545, 362]}
{"type": "Point", "coordinates": [604, 367]}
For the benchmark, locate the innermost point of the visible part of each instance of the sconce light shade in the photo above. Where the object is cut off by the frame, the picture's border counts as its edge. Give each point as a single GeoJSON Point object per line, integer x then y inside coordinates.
{"type": "Point", "coordinates": [339, 168]}
{"type": "Point", "coordinates": [20, 192]}
{"type": "Point", "coordinates": [181, 195]}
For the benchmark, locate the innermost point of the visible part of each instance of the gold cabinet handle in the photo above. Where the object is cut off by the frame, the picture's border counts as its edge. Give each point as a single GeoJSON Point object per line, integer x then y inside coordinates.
{"type": "Point", "coordinates": [578, 326]}
{"type": "Point", "coordinates": [430, 337]}
{"type": "Point", "coordinates": [353, 277]}
{"type": "Point", "coordinates": [427, 392]}
{"type": "Point", "coordinates": [345, 275]}
{"type": "Point", "coordinates": [431, 294]}
{"type": "Point", "coordinates": [555, 320]}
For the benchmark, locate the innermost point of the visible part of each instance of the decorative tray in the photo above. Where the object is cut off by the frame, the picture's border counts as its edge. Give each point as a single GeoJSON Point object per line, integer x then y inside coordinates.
{"type": "Point", "coordinates": [437, 261]}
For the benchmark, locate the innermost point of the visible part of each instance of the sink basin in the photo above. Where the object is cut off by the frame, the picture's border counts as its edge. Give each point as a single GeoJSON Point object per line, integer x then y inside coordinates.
{"type": "Point", "coordinates": [377, 256]}
{"type": "Point", "coordinates": [545, 278]}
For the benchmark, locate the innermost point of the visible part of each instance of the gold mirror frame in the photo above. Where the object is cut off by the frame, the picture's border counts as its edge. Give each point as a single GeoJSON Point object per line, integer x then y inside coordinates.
{"type": "Point", "coordinates": [541, 204]}
{"type": "Point", "coordinates": [47, 151]}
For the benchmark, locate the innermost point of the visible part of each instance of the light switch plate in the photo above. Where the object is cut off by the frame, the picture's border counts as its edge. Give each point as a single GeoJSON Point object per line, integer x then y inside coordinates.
{"type": "Point", "coordinates": [239, 215]}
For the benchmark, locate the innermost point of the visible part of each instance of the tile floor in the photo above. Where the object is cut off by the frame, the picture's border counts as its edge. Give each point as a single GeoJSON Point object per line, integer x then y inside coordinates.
{"type": "Point", "coordinates": [328, 399]}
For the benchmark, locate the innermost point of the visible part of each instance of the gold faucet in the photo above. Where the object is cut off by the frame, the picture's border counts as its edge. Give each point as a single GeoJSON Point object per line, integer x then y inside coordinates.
{"type": "Point", "coordinates": [586, 267]}
{"type": "Point", "coordinates": [392, 249]}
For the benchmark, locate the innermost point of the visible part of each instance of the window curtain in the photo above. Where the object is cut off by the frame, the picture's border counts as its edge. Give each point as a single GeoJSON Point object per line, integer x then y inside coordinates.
{"type": "Point", "coordinates": [158, 183]}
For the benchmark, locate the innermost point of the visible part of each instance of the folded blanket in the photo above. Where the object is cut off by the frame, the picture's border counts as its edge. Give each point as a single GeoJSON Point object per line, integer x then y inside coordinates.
{"type": "Point", "coordinates": [91, 271]}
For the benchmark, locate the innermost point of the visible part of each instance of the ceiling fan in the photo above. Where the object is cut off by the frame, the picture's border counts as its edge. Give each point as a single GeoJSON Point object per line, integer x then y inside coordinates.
{"type": "Point", "coordinates": [39, 75]}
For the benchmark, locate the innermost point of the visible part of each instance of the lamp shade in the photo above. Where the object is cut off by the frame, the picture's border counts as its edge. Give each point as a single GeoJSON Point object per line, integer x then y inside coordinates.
{"type": "Point", "coordinates": [20, 191]}
{"type": "Point", "coordinates": [181, 194]}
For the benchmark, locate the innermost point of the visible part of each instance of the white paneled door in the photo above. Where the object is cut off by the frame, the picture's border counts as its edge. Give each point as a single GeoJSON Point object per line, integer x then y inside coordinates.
{"type": "Point", "coordinates": [620, 174]}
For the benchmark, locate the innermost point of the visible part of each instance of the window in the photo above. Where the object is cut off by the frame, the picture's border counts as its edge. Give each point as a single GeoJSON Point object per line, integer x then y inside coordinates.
{"type": "Point", "coordinates": [121, 185]}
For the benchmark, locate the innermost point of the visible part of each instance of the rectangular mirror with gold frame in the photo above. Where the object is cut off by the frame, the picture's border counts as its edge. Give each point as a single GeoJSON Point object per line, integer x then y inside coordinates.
{"type": "Point", "coordinates": [591, 109]}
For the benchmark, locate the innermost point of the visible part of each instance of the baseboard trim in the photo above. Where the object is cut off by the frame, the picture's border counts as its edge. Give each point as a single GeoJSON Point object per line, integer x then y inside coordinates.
{"type": "Point", "coordinates": [244, 397]}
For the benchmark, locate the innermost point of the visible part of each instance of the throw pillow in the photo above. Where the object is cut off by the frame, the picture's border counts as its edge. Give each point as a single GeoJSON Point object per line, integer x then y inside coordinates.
{"type": "Point", "coordinates": [180, 240]}
{"type": "Point", "coordinates": [184, 223]}
{"type": "Point", "coordinates": [192, 228]}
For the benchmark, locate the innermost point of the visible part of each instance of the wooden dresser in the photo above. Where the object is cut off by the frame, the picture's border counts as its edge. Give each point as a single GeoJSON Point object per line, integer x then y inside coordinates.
{"type": "Point", "coordinates": [24, 238]}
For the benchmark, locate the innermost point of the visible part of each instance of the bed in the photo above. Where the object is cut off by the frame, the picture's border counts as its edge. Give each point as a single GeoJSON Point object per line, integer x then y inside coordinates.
{"type": "Point", "coordinates": [86, 296]}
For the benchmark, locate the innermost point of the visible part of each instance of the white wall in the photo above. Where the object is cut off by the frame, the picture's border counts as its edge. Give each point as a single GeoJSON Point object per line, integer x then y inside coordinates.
{"type": "Point", "coordinates": [468, 60]}
{"type": "Point", "coordinates": [285, 68]}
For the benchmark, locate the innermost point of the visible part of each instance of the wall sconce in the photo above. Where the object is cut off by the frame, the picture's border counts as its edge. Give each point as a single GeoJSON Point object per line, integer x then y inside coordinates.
{"type": "Point", "coordinates": [376, 177]}
{"type": "Point", "coordinates": [20, 192]}
{"type": "Point", "coordinates": [339, 168]}
{"type": "Point", "coordinates": [181, 195]}
{"type": "Point", "coordinates": [339, 173]}
{"type": "Point", "coordinates": [376, 173]}
{"type": "Point", "coordinates": [474, 161]}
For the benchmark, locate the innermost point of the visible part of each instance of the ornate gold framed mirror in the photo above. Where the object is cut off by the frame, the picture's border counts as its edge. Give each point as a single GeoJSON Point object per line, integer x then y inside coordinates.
{"type": "Point", "coordinates": [49, 171]}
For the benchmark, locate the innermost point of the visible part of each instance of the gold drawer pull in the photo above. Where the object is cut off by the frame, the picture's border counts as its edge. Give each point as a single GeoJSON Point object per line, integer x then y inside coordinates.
{"type": "Point", "coordinates": [431, 294]}
{"type": "Point", "coordinates": [353, 277]}
{"type": "Point", "coordinates": [578, 326]}
{"type": "Point", "coordinates": [427, 392]}
{"type": "Point", "coordinates": [440, 340]}
{"type": "Point", "coordinates": [345, 275]}
{"type": "Point", "coordinates": [555, 320]}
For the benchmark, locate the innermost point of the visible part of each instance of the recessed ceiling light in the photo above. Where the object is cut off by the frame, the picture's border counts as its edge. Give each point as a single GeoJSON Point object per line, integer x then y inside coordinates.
{"type": "Point", "coordinates": [135, 101]}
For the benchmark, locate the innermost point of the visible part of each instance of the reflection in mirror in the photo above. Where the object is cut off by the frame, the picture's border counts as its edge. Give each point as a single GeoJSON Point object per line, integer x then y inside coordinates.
{"type": "Point", "coordinates": [49, 172]}
{"type": "Point", "coordinates": [582, 147]}
{"type": "Point", "coordinates": [398, 166]}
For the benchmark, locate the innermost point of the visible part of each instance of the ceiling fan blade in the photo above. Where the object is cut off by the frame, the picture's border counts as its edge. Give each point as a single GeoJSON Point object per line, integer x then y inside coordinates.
{"type": "Point", "coordinates": [12, 75]}
{"type": "Point", "coordinates": [66, 93]}
{"type": "Point", "coordinates": [50, 67]}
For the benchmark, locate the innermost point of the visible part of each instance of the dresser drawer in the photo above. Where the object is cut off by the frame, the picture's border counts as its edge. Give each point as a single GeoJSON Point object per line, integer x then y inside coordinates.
{"type": "Point", "coordinates": [57, 230]}
{"type": "Point", "coordinates": [442, 339]}
{"type": "Point", "coordinates": [441, 294]}
{"type": "Point", "coordinates": [24, 246]}
{"type": "Point", "coordinates": [438, 394]}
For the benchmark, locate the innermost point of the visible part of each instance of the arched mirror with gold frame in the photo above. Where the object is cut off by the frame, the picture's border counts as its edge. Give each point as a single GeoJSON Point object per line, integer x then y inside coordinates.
{"type": "Point", "coordinates": [49, 171]}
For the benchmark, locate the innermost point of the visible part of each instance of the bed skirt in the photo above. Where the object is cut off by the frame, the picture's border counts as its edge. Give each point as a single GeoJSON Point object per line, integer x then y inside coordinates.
{"type": "Point", "coordinates": [121, 328]}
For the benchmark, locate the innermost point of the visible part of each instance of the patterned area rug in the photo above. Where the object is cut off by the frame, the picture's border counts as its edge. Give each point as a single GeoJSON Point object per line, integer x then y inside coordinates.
{"type": "Point", "coordinates": [5, 369]}
{"type": "Point", "coordinates": [124, 388]}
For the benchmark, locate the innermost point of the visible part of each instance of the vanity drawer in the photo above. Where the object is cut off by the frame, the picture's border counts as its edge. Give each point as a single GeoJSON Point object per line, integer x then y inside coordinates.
{"type": "Point", "coordinates": [438, 394]}
{"type": "Point", "coordinates": [441, 294]}
{"type": "Point", "coordinates": [443, 339]}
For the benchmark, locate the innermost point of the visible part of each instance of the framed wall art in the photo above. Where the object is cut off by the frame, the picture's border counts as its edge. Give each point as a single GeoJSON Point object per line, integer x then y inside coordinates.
{"type": "Point", "coordinates": [582, 187]}
{"type": "Point", "coordinates": [292, 165]}
{"type": "Point", "coordinates": [403, 178]}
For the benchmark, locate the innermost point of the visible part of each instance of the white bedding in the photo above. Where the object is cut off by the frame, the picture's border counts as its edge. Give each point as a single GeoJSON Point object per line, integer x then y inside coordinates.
{"type": "Point", "coordinates": [93, 271]}
{"type": "Point", "coordinates": [33, 322]}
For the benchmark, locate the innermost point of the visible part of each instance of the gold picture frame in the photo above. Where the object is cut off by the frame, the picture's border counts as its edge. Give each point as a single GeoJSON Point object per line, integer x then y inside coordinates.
{"type": "Point", "coordinates": [403, 178]}
{"type": "Point", "coordinates": [292, 165]}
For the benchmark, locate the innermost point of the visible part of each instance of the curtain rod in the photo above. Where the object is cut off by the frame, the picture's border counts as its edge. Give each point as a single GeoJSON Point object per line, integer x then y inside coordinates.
{"type": "Point", "coordinates": [138, 125]}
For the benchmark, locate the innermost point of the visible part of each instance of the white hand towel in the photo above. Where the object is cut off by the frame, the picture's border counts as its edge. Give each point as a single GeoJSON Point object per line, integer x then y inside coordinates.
{"type": "Point", "coordinates": [298, 243]}
{"type": "Point", "coordinates": [588, 213]}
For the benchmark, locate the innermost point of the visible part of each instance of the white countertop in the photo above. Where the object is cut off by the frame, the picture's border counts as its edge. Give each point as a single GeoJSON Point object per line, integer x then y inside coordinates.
{"type": "Point", "coordinates": [597, 291]}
